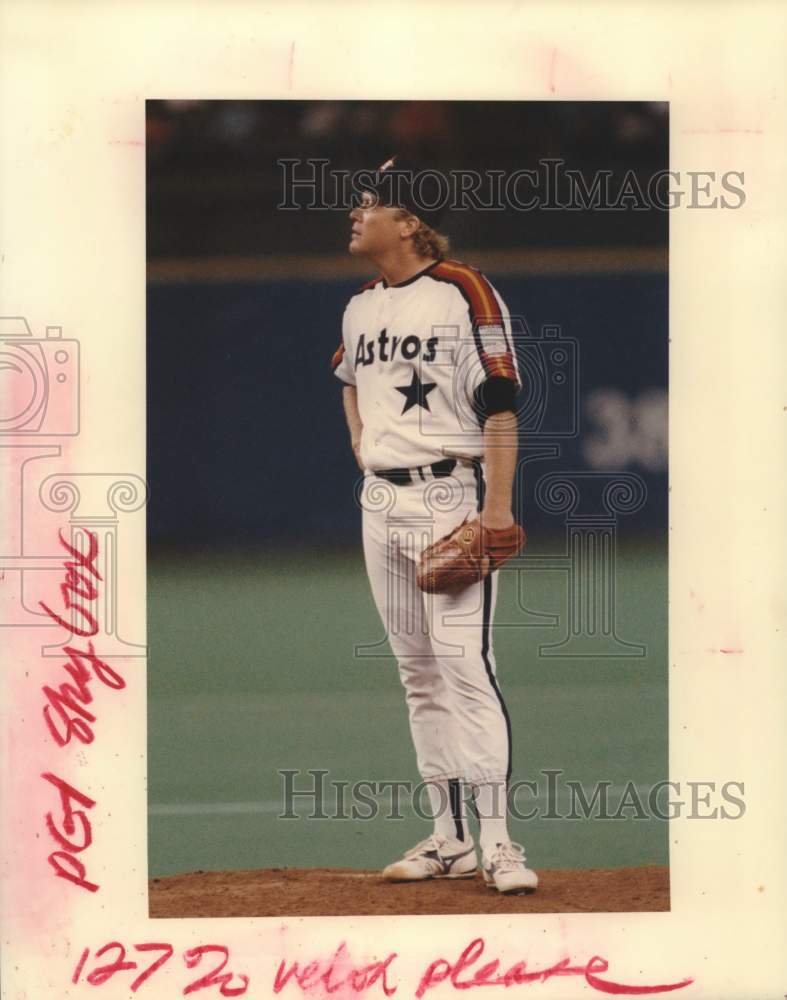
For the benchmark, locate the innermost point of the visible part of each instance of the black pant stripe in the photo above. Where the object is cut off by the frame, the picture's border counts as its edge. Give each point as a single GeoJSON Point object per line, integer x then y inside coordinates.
{"type": "Point", "coordinates": [486, 624]}
{"type": "Point", "coordinates": [455, 795]}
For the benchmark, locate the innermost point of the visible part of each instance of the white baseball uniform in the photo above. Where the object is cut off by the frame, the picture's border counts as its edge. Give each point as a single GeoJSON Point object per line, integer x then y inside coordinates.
{"type": "Point", "coordinates": [419, 354]}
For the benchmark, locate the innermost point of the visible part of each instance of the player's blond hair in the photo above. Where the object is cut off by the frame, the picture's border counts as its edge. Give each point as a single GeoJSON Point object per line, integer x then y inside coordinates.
{"type": "Point", "coordinates": [427, 242]}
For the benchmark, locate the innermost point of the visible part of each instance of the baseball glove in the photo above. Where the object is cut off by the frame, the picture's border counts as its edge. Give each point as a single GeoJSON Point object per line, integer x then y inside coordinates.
{"type": "Point", "coordinates": [466, 555]}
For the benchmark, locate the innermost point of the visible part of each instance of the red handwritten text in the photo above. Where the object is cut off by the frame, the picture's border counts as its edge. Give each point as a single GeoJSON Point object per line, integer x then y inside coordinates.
{"type": "Point", "coordinates": [489, 974]}
{"type": "Point", "coordinates": [63, 861]}
{"type": "Point", "coordinates": [65, 713]}
{"type": "Point", "coordinates": [163, 952]}
{"type": "Point", "coordinates": [328, 978]}
{"type": "Point", "coordinates": [81, 573]}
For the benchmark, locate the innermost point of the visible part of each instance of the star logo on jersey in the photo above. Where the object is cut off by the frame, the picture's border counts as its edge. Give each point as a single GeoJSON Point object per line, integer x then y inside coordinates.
{"type": "Point", "coordinates": [415, 393]}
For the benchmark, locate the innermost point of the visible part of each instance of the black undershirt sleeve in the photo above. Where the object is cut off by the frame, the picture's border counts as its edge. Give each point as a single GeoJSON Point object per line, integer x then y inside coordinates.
{"type": "Point", "coordinates": [495, 395]}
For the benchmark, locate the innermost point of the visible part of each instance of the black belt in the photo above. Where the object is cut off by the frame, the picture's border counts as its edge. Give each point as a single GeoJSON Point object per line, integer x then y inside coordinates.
{"type": "Point", "coordinates": [403, 477]}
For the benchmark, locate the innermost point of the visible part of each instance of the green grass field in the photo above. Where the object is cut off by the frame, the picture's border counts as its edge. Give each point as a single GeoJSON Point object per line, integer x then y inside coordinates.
{"type": "Point", "coordinates": [252, 670]}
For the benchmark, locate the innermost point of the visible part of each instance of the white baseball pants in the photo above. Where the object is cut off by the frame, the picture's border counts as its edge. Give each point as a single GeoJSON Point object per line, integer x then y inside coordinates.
{"type": "Point", "coordinates": [442, 642]}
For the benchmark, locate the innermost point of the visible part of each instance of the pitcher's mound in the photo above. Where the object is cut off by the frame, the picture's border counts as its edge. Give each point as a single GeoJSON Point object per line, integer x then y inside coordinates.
{"type": "Point", "coordinates": [318, 892]}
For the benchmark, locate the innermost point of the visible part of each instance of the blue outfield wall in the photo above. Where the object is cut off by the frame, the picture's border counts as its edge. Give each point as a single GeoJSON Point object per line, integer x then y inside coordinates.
{"type": "Point", "coordinates": [246, 436]}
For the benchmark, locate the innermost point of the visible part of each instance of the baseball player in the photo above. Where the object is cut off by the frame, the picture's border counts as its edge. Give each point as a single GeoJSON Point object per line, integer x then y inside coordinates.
{"type": "Point", "coordinates": [429, 382]}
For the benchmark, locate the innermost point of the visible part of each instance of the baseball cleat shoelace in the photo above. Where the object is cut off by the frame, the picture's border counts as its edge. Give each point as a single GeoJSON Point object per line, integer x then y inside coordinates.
{"type": "Point", "coordinates": [505, 869]}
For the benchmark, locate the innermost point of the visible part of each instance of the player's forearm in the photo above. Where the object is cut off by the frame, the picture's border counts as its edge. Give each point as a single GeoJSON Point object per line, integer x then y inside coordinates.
{"type": "Point", "coordinates": [353, 417]}
{"type": "Point", "coordinates": [500, 458]}
{"type": "Point", "coordinates": [350, 400]}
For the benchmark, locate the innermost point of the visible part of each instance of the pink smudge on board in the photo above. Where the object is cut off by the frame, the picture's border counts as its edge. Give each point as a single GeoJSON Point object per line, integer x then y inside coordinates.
{"type": "Point", "coordinates": [291, 67]}
{"type": "Point", "coordinates": [34, 903]}
{"type": "Point", "coordinates": [696, 600]}
{"type": "Point", "coordinates": [552, 61]}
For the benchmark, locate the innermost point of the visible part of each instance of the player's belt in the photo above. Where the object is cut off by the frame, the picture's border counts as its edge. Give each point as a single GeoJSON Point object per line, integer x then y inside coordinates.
{"type": "Point", "coordinates": [403, 477]}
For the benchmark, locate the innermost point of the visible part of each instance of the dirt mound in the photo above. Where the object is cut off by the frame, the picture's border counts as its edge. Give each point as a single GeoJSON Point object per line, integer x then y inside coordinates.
{"type": "Point", "coordinates": [343, 891]}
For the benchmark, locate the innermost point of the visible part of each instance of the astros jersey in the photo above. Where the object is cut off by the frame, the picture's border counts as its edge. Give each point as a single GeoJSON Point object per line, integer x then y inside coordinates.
{"type": "Point", "coordinates": [419, 354]}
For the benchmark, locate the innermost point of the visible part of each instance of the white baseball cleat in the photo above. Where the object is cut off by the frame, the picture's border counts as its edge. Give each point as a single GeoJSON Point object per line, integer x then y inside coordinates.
{"type": "Point", "coordinates": [505, 869]}
{"type": "Point", "coordinates": [435, 857]}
